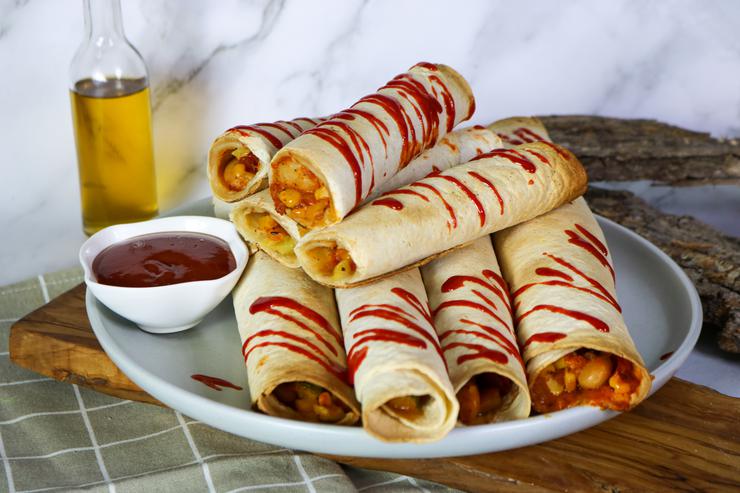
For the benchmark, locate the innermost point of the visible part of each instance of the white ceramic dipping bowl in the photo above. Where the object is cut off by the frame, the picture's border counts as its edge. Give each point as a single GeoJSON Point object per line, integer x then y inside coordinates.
{"type": "Point", "coordinates": [171, 308]}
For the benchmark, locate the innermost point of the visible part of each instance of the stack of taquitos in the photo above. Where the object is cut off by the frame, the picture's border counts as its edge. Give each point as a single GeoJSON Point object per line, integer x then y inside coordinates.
{"type": "Point", "coordinates": [276, 234]}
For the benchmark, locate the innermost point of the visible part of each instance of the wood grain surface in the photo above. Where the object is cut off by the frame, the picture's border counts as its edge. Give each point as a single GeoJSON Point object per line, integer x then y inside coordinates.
{"type": "Point", "coordinates": [684, 438]}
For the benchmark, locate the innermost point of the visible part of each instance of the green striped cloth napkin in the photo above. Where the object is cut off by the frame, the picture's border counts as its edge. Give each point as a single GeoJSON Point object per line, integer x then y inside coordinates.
{"type": "Point", "coordinates": [56, 436]}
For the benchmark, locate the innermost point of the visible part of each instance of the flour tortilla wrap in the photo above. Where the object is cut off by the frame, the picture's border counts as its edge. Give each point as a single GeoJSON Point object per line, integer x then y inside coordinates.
{"type": "Point", "coordinates": [324, 174]}
{"type": "Point", "coordinates": [283, 317]}
{"type": "Point", "coordinates": [255, 145]}
{"type": "Point", "coordinates": [472, 316]}
{"type": "Point", "coordinates": [394, 356]}
{"type": "Point", "coordinates": [561, 275]}
{"type": "Point", "coordinates": [519, 130]}
{"type": "Point", "coordinates": [456, 147]}
{"type": "Point", "coordinates": [443, 211]}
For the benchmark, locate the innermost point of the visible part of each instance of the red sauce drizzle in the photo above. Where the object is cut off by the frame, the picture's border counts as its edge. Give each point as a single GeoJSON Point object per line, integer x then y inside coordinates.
{"type": "Point", "coordinates": [592, 238]}
{"type": "Point", "coordinates": [436, 192]}
{"type": "Point", "coordinates": [448, 101]}
{"type": "Point", "coordinates": [527, 135]}
{"type": "Point", "coordinates": [548, 272]}
{"type": "Point", "coordinates": [544, 337]}
{"type": "Point", "coordinates": [480, 351]}
{"type": "Point", "coordinates": [427, 65]}
{"type": "Point", "coordinates": [385, 311]}
{"type": "Point", "coordinates": [214, 382]}
{"type": "Point", "coordinates": [296, 126]}
{"type": "Point", "coordinates": [269, 304]}
{"type": "Point", "coordinates": [565, 285]}
{"type": "Point", "coordinates": [585, 244]}
{"type": "Point", "coordinates": [394, 204]}
{"type": "Point", "coordinates": [593, 282]}
{"type": "Point", "coordinates": [489, 333]}
{"type": "Point", "coordinates": [330, 136]}
{"type": "Point", "coordinates": [595, 322]}
{"type": "Point", "coordinates": [406, 191]}
{"type": "Point", "coordinates": [466, 191]}
{"type": "Point", "coordinates": [666, 356]}
{"type": "Point", "coordinates": [539, 156]}
{"type": "Point", "coordinates": [331, 368]}
{"type": "Point", "coordinates": [278, 126]}
{"type": "Point", "coordinates": [557, 149]}
{"type": "Point", "coordinates": [511, 155]}
{"type": "Point", "coordinates": [484, 180]}
{"type": "Point", "coordinates": [245, 129]}
{"type": "Point", "coordinates": [509, 140]}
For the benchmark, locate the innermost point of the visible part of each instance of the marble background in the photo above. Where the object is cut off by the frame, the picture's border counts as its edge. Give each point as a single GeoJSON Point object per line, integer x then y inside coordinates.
{"type": "Point", "coordinates": [216, 64]}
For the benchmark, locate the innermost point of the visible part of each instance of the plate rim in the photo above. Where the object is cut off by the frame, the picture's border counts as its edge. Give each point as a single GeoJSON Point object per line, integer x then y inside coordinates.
{"type": "Point", "coordinates": [255, 425]}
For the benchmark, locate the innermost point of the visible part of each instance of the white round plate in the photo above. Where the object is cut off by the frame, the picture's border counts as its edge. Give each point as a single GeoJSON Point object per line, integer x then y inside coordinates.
{"type": "Point", "coordinates": [661, 307]}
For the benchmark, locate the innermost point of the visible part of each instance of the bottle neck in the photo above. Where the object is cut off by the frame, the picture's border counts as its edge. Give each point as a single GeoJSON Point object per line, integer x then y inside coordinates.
{"type": "Point", "coordinates": [103, 20]}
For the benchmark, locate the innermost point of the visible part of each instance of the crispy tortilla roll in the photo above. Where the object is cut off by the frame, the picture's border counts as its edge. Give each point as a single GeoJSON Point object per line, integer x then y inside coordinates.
{"type": "Point", "coordinates": [472, 315]}
{"type": "Point", "coordinates": [443, 211]}
{"type": "Point", "coordinates": [239, 158]}
{"type": "Point", "coordinates": [292, 345]}
{"type": "Point", "coordinates": [276, 234]}
{"type": "Point", "coordinates": [575, 342]}
{"type": "Point", "coordinates": [329, 170]}
{"type": "Point", "coordinates": [395, 360]}
{"type": "Point", "coordinates": [520, 130]}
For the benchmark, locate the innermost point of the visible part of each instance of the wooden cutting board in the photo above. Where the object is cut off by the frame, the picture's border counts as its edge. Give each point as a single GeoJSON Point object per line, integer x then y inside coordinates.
{"type": "Point", "coordinates": [684, 438]}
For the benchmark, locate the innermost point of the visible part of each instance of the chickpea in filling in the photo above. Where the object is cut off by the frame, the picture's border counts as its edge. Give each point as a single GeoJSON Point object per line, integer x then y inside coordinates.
{"type": "Point", "coordinates": [585, 377]}
{"type": "Point", "coordinates": [311, 402]}
{"type": "Point", "coordinates": [298, 193]}
{"type": "Point", "coordinates": [270, 233]}
{"type": "Point", "coordinates": [237, 168]}
{"type": "Point", "coordinates": [333, 261]}
{"type": "Point", "coordinates": [408, 406]}
{"type": "Point", "coordinates": [481, 397]}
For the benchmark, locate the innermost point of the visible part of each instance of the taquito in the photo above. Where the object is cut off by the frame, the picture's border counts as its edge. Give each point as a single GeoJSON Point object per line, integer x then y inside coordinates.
{"type": "Point", "coordinates": [575, 343]}
{"type": "Point", "coordinates": [472, 316]}
{"type": "Point", "coordinates": [445, 210]}
{"type": "Point", "coordinates": [276, 234]}
{"type": "Point", "coordinates": [239, 158]}
{"type": "Point", "coordinates": [395, 360]}
{"type": "Point", "coordinates": [325, 173]}
{"type": "Point", "coordinates": [292, 345]}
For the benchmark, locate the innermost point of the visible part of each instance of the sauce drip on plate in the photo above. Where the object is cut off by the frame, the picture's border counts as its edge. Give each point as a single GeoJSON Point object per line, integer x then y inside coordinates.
{"type": "Point", "coordinates": [161, 259]}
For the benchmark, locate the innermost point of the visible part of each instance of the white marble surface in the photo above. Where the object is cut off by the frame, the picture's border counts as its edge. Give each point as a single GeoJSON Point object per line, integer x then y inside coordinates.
{"type": "Point", "coordinates": [215, 64]}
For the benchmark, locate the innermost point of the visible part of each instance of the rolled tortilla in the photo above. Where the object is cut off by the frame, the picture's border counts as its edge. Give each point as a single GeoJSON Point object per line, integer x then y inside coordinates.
{"type": "Point", "coordinates": [575, 343]}
{"type": "Point", "coordinates": [472, 316]}
{"type": "Point", "coordinates": [443, 211]}
{"type": "Point", "coordinates": [395, 360]}
{"type": "Point", "coordinates": [239, 158]}
{"type": "Point", "coordinates": [519, 130]}
{"type": "Point", "coordinates": [292, 345]}
{"type": "Point", "coordinates": [329, 170]}
{"type": "Point", "coordinates": [276, 234]}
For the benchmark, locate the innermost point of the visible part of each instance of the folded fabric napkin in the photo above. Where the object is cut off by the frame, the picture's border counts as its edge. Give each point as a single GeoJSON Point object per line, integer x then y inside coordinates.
{"type": "Point", "coordinates": [59, 436]}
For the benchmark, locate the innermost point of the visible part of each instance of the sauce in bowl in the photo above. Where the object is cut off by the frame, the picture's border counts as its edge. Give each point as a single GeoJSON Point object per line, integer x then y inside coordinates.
{"type": "Point", "coordinates": [161, 259]}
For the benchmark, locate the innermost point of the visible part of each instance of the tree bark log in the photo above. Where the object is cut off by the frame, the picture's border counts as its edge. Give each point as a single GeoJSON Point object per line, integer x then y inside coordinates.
{"type": "Point", "coordinates": [710, 258]}
{"type": "Point", "coordinates": [614, 149]}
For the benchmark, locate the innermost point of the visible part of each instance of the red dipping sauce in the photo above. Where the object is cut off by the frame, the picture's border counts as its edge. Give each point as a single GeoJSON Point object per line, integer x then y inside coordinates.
{"type": "Point", "coordinates": [161, 259]}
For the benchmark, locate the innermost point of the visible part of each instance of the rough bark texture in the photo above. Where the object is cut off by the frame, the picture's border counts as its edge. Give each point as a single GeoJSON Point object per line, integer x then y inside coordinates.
{"type": "Point", "coordinates": [613, 149]}
{"type": "Point", "coordinates": [711, 259]}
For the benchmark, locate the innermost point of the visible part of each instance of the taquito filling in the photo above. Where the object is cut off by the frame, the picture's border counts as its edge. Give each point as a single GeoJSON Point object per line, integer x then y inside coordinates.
{"type": "Point", "coordinates": [298, 193]}
{"type": "Point", "coordinates": [409, 407]}
{"type": "Point", "coordinates": [332, 261]}
{"type": "Point", "coordinates": [482, 397]}
{"type": "Point", "coordinates": [269, 233]}
{"type": "Point", "coordinates": [586, 377]}
{"type": "Point", "coordinates": [237, 168]}
{"type": "Point", "coordinates": [311, 402]}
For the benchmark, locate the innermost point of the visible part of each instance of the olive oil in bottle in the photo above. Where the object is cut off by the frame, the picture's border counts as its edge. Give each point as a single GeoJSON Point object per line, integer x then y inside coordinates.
{"type": "Point", "coordinates": [112, 123]}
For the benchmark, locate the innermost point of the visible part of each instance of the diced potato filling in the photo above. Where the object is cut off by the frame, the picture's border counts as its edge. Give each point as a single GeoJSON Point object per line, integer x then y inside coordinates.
{"type": "Point", "coordinates": [481, 397]}
{"type": "Point", "coordinates": [298, 193]}
{"type": "Point", "coordinates": [408, 406]}
{"type": "Point", "coordinates": [585, 377]}
{"type": "Point", "coordinates": [270, 233]}
{"type": "Point", "coordinates": [237, 168]}
{"type": "Point", "coordinates": [332, 261]}
{"type": "Point", "coordinates": [311, 402]}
